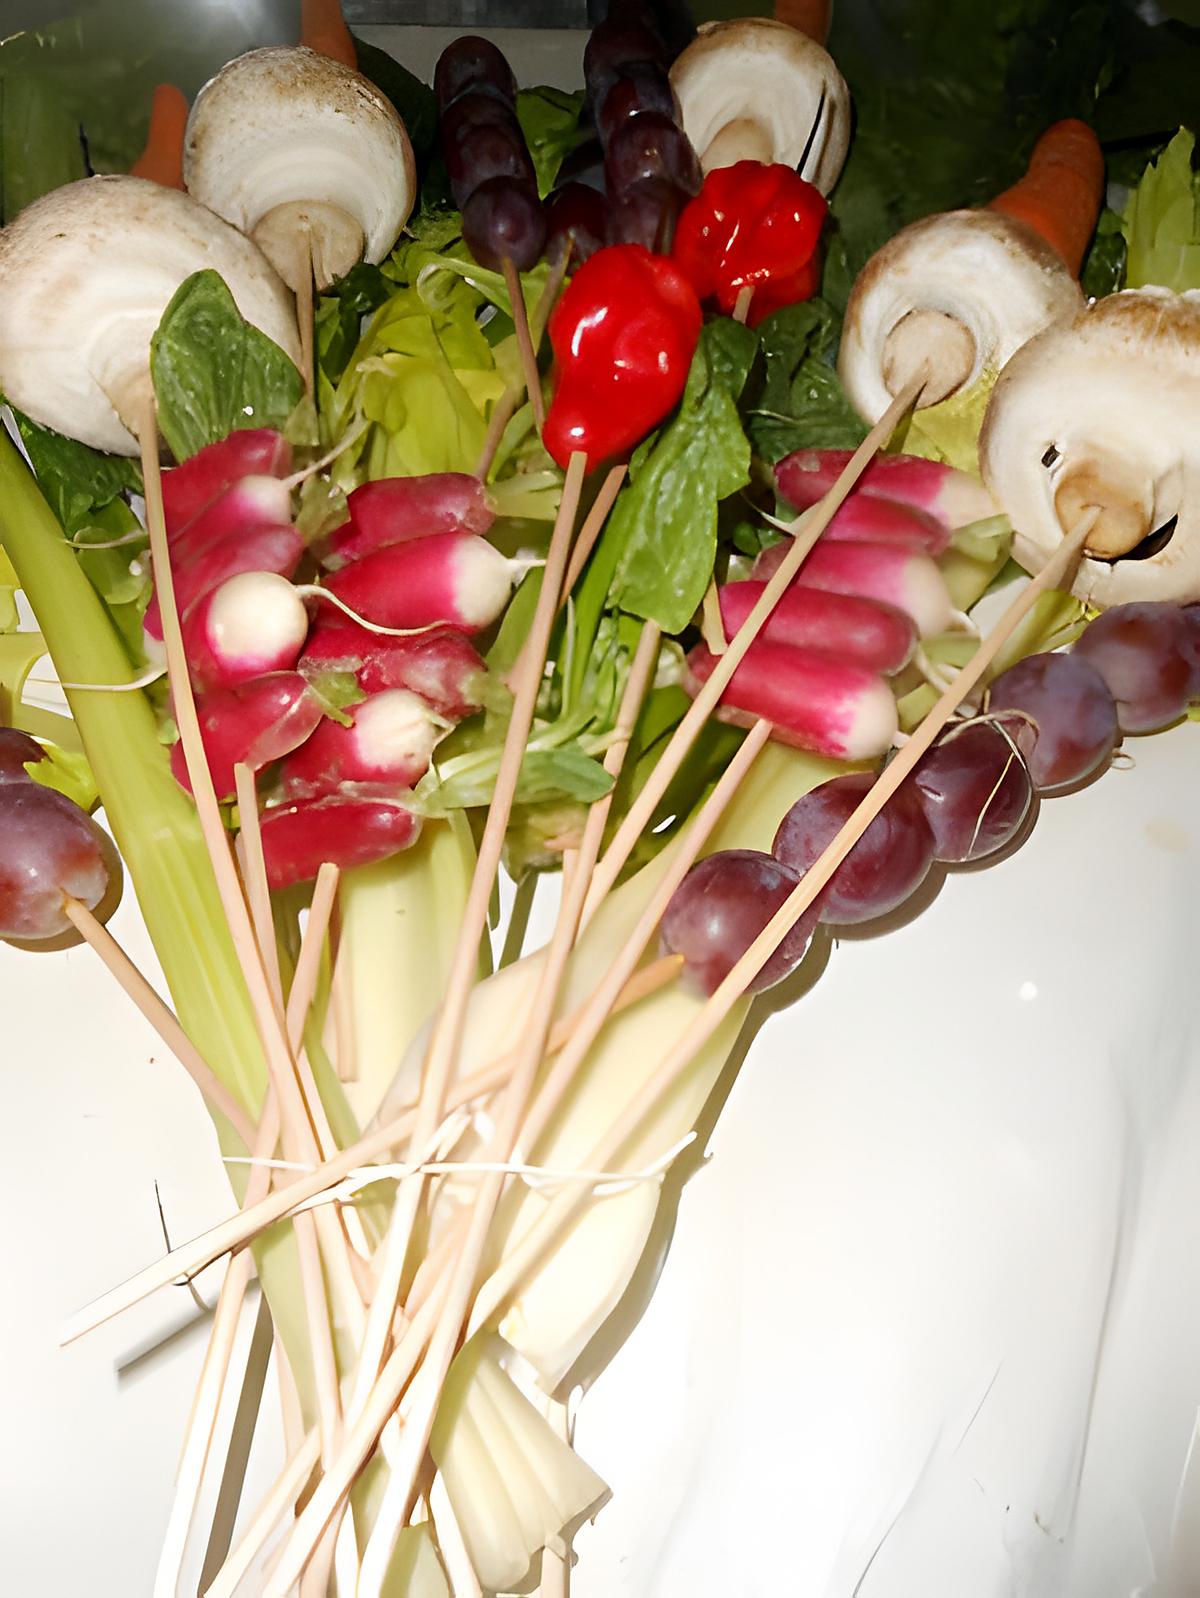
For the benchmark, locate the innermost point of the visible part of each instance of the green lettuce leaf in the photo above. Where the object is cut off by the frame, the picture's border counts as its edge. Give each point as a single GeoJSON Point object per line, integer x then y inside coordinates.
{"type": "Point", "coordinates": [213, 372]}
{"type": "Point", "coordinates": [1161, 222]}
{"type": "Point", "coordinates": [66, 771]}
{"type": "Point", "coordinates": [76, 480]}
{"type": "Point", "coordinates": [549, 120]}
{"type": "Point", "coordinates": [802, 404]}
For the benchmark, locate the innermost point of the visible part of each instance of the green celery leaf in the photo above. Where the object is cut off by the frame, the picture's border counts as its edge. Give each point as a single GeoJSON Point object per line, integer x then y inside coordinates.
{"type": "Point", "coordinates": [664, 525]}
{"type": "Point", "coordinates": [76, 479]}
{"type": "Point", "coordinates": [549, 120]}
{"type": "Point", "coordinates": [802, 404]}
{"type": "Point", "coordinates": [213, 372]}
{"type": "Point", "coordinates": [67, 772]}
{"type": "Point", "coordinates": [1161, 223]}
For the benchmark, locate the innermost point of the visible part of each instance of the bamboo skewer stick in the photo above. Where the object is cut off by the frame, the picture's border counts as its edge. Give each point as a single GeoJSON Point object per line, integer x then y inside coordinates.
{"type": "Point", "coordinates": [304, 313]}
{"type": "Point", "coordinates": [304, 978]}
{"type": "Point", "coordinates": [161, 1017]}
{"type": "Point", "coordinates": [506, 405]}
{"type": "Point", "coordinates": [254, 876]}
{"type": "Point", "coordinates": [279, 1499]}
{"type": "Point", "coordinates": [196, 1255]}
{"type": "Point", "coordinates": [815, 522]}
{"type": "Point", "coordinates": [563, 1208]}
{"type": "Point", "coordinates": [593, 526]}
{"type": "Point", "coordinates": [741, 306]}
{"type": "Point", "coordinates": [442, 1054]}
{"type": "Point", "coordinates": [535, 1035]}
{"type": "Point", "coordinates": [529, 366]}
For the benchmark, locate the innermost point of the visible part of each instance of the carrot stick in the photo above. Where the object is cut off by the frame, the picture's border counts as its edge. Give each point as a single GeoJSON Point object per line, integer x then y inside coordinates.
{"type": "Point", "coordinates": [162, 159]}
{"type": "Point", "coordinates": [1062, 190]}
{"type": "Point", "coordinates": [806, 16]}
{"type": "Point", "coordinates": [323, 29]}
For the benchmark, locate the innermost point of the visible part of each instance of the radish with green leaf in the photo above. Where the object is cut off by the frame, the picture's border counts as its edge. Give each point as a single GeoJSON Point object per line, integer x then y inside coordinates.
{"type": "Point", "coordinates": [387, 746]}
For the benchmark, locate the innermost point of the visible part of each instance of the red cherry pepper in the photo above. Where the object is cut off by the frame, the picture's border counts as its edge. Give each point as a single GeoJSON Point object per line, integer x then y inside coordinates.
{"type": "Point", "coordinates": [623, 336]}
{"type": "Point", "coordinates": [752, 226]}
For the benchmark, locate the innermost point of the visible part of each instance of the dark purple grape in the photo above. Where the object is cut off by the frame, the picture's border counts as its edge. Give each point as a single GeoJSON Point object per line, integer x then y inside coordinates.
{"type": "Point", "coordinates": [887, 864]}
{"type": "Point", "coordinates": [49, 848]}
{"type": "Point", "coordinates": [1144, 652]}
{"type": "Point", "coordinates": [585, 164]}
{"type": "Point", "coordinates": [669, 20]}
{"type": "Point", "coordinates": [612, 46]}
{"type": "Point", "coordinates": [641, 86]}
{"type": "Point", "coordinates": [483, 152]}
{"type": "Point", "coordinates": [974, 791]}
{"type": "Point", "coordinates": [646, 214]}
{"type": "Point", "coordinates": [576, 215]}
{"type": "Point", "coordinates": [17, 749]}
{"type": "Point", "coordinates": [1068, 726]}
{"type": "Point", "coordinates": [504, 219]}
{"type": "Point", "coordinates": [472, 110]}
{"type": "Point", "coordinates": [651, 145]}
{"type": "Point", "coordinates": [470, 63]}
{"type": "Point", "coordinates": [719, 909]}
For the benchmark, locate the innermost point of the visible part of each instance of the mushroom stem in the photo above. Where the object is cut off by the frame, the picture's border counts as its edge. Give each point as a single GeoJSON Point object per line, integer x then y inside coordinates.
{"type": "Point", "coordinates": [1119, 491]}
{"type": "Point", "coordinates": [934, 340]}
{"type": "Point", "coordinates": [309, 239]}
{"type": "Point", "coordinates": [743, 139]}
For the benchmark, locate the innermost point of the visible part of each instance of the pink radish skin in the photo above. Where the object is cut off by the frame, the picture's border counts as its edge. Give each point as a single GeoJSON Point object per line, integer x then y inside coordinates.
{"type": "Point", "coordinates": [345, 829]}
{"type": "Point", "coordinates": [442, 666]}
{"type": "Point", "coordinates": [840, 625]}
{"type": "Point", "coordinates": [871, 519]}
{"type": "Point", "coordinates": [246, 508]}
{"type": "Point", "coordinates": [388, 747]}
{"type": "Point", "coordinates": [825, 706]}
{"type": "Point", "coordinates": [270, 549]}
{"type": "Point", "coordinates": [908, 581]}
{"type": "Point", "coordinates": [253, 724]}
{"type": "Point", "coordinates": [955, 498]}
{"type": "Point", "coordinates": [254, 623]}
{"type": "Point", "coordinates": [456, 578]}
{"type": "Point", "coordinates": [393, 510]}
{"type": "Point", "coordinates": [249, 452]}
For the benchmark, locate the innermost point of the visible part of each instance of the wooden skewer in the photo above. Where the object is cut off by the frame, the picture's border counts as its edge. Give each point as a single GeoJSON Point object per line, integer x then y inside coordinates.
{"type": "Point", "coordinates": [406, 1460]}
{"type": "Point", "coordinates": [196, 1255]}
{"type": "Point", "coordinates": [741, 306]}
{"type": "Point", "coordinates": [533, 381]}
{"type": "Point", "coordinates": [161, 1017]}
{"type": "Point", "coordinates": [304, 978]}
{"type": "Point", "coordinates": [564, 1207]}
{"type": "Point", "coordinates": [278, 1500]}
{"type": "Point", "coordinates": [442, 1054]}
{"type": "Point", "coordinates": [304, 312]}
{"type": "Point", "coordinates": [254, 876]}
{"type": "Point", "coordinates": [815, 522]}
{"type": "Point", "coordinates": [502, 413]}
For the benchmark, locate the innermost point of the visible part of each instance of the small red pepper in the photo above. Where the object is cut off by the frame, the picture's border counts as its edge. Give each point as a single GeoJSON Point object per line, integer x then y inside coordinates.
{"type": "Point", "coordinates": [623, 336]}
{"type": "Point", "coordinates": [752, 226]}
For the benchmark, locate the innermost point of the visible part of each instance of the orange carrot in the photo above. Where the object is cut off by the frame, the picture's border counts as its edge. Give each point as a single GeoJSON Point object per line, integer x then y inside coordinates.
{"type": "Point", "coordinates": [162, 158]}
{"type": "Point", "coordinates": [1062, 191]}
{"type": "Point", "coordinates": [807, 16]}
{"type": "Point", "coordinates": [323, 29]}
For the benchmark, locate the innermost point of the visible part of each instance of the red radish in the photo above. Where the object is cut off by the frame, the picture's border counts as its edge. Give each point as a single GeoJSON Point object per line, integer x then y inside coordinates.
{"type": "Point", "coordinates": [392, 510]}
{"type": "Point", "coordinates": [442, 666]}
{"type": "Point", "coordinates": [841, 625]}
{"type": "Point", "coordinates": [188, 488]}
{"type": "Point", "coordinates": [955, 498]}
{"type": "Point", "coordinates": [872, 519]}
{"type": "Point", "coordinates": [902, 578]}
{"type": "Point", "coordinates": [253, 724]}
{"type": "Point", "coordinates": [828, 707]}
{"type": "Point", "coordinates": [389, 746]}
{"type": "Point", "coordinates": [345, 829]}
{"type": "Point", "coordinates": [457, 578]}
{"type": "Point", "coordinates": [246, 507]}
{"type": "Point", "coordinates": [253, 623]}
{"type": "Point", "coordinates": [270, 549]}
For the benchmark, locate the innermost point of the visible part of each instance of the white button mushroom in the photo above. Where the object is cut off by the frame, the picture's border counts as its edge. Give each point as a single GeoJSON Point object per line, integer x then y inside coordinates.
{"type": "Point", "coordinates": [86, 273]}
{"type": "Point", "coordinates": [1105, 411]}
{"type": "Point", "coordinates": [958, 293]}
{"type": "Point", "coordinates": [293, 147]}
{"type": "Point", "coordinates": [756, 90]}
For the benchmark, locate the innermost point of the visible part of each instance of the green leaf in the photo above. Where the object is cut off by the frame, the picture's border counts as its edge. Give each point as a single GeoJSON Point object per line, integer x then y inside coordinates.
{"type": "Point", "coordinates": [549, 120]}
{"type": "Point", "coordinates": [1161, 223]}
{"type": "Point", "coordinates": [213, 372]}
{"type": "Point", "coordinates": [1104, 265]}
{"type": "Point", "coordinates": [40, 143]}
{"type": "Point", "coordinates": [412, 99]}
{"type": "Point", "coordinates": [663, 528]}
{"type": "Point", "coordinates": [340, 313]}
{"type": "Point", "coordinates": [67, 772]}
{"type": "Point", "coordinates": [546, 775]}
{"type": "Point", "coordinates": [76, 480]}
{"type": "Point", "coordinates": [802, 404]}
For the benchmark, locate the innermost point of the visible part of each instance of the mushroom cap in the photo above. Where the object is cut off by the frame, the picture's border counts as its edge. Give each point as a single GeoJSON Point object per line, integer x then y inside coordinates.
{"type": "Point", "coordinates": [1105, 410]}
{"type": "Point", "coordinates": [86, 273]}
{"type": "Point", "coordinates": [989, 273]}
{"type": "Point", "coordinates": [285, 125]}
{"type": "Point", "coordinates": [752, 70]}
